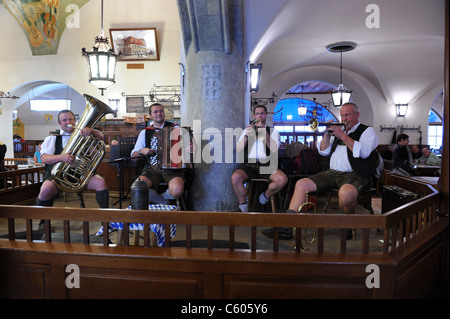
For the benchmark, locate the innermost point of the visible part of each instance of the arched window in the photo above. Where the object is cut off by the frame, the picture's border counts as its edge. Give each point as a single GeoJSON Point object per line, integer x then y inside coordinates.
{"type": "Point", "coordinates": [294, 127]}
{"type": "Point", "coordinates": [435, 131]}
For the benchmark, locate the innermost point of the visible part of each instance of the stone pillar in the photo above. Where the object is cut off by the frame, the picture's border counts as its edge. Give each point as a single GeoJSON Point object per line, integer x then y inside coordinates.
{"type": "Point", "coordinates": [215, 86]}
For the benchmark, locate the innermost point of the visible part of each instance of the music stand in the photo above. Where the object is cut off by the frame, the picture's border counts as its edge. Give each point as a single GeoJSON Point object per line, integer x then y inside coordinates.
{"type": "Point", "coordinates": [121, 156]}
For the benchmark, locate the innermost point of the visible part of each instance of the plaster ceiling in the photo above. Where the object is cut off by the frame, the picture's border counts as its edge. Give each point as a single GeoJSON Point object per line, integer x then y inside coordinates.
{"type": "Point", "coordinates": [402, 58]}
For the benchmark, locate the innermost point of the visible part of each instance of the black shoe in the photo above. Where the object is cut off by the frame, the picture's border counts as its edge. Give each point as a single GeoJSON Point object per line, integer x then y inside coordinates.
{"type": "Point", "coordinates": [283, 232]}
{"type": "Point", "coordinates": [41, 225]}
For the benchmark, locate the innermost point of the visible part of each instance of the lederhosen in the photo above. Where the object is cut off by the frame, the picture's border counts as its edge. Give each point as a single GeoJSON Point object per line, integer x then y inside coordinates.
{"type": "Point", "coordinates": [58, 149]}
{"type": "Point", "coordinates": [252, 168]}
{"type": "Point", "coordinates": [152, 173]}
{"type": "Point", "coordinates": [149, 133]}
{"type": "Point", "coordinates": [364, 167]}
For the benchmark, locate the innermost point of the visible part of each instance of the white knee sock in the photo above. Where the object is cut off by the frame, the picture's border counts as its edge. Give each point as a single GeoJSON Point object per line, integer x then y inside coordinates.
{"type": "Point", "coordinates": [154, 197]}
{"type": "Point", "coordinates": [167, 195]}
{"type": "Point", "coordinates": [263, 199]}
{"type": "Point", "coordinates": [243, 207]}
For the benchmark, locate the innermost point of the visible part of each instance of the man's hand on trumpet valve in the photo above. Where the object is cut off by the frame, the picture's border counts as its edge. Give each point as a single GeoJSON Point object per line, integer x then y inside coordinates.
{"type": "Point", "coordinates": [335, 130]}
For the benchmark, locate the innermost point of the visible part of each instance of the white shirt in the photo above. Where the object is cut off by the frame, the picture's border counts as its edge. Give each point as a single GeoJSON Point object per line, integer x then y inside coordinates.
{"type": "Point", "coordinates": [140, 142]}
{"type": "Point", "coordinates": [361, 149]}
{"type": "Point", "coordinates": [258, 150]}
{"type": "Point", "coordinates": [48, 146]}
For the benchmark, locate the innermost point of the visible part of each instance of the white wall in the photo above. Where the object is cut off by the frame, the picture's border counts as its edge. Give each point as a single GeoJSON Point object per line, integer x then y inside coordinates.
{"type": "Point", "coordinates": [68, 66]}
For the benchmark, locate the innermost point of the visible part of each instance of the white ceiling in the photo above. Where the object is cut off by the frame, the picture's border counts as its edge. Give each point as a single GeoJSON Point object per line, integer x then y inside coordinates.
{"type": "Point", "coordinates": [403, 58]}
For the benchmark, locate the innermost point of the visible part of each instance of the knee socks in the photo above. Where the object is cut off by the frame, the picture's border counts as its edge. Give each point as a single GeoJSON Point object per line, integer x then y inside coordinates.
{"type": "Point", "coordinates": [167, 195]}
{"type": "Point", "coordinates": [102, 198]}
{"type": "Point", "coordinates": [243, 207]}
{"type": "Point", "coordinates": [154, 197]}
{"type": "Point", "coordinates": [263, 199]}
{"type": "Point", "coordinates": [44, 202]}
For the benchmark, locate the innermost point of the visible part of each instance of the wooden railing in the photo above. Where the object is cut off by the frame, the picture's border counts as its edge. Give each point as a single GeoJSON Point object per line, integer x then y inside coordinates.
{"type": "Point", "coordinates": [399, 226]}
{"type": "Point", "coordinates": [15, 161]}
{"type": "Point", "coordinates": [412, 262]}
{"type": "Point", "coordinates": [18, 185]}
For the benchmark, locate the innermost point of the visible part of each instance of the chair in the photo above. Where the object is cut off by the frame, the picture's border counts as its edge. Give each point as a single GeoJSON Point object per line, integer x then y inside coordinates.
{"type": "Point", "coordinates": [255, 187]}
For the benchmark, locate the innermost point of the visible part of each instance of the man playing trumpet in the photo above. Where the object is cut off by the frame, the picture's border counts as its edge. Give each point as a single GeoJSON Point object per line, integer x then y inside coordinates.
{"type": "Point", "coordinates": [352, 162]}
{"type": "Point", "coordinates": [263, 141]}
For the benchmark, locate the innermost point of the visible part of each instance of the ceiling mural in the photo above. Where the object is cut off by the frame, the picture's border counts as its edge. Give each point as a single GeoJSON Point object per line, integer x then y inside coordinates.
{"type": "Point", "coordinates": [44, 21]}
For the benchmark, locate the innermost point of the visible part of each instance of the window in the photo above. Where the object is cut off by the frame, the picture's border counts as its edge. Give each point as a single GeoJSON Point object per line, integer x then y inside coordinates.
{"type": "Point", "coordinates": [288, 111]}
{"type": "Point", "coordinates": [49, 105]}
{"type": "Point", "coordinates": [294, 127]}
{"type": "Point", "coordinates": [435, 131]}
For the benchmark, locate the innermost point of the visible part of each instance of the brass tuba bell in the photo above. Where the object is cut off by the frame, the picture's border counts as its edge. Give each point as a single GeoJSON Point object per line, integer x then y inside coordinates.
{"type": "Point", "coordinates": [88, 151]}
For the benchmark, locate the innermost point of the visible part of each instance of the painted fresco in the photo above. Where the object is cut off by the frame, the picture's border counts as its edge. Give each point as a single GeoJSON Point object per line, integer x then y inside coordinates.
{"type": "Point", "coordinates": [44, 21]}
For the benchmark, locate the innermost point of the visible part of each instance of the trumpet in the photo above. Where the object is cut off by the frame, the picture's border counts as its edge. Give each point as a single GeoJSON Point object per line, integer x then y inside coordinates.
{"type": "Point", "coordinates": [254, 122]}
{"type": "Point", "coordinates": [255, 128]}
{"type": "Point", "coordinates": [307, 204]}
{"type": "Point", "coordinates": [314, 124]}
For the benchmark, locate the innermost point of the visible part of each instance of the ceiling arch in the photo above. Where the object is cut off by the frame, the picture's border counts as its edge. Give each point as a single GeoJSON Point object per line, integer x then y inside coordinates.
{"type": "Point", "coordinates": [42, 89]}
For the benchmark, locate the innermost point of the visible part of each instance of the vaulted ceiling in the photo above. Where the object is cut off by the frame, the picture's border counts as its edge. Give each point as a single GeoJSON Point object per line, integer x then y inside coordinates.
{"type": "Point", "coordinates": [401, 54]}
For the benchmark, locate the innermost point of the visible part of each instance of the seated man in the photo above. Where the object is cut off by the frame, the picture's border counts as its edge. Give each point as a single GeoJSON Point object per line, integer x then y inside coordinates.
{"type": "Point", "coordinates": [402, 161]}
{"type": "Point", "coordinates": [353, 163]}
{"type": "Point", "coordinates": [416, 152]}
{"type": "Point", "coordinates": [146, 144]}
{"type": "Point", "coordinates": [429, 158]}
{"type": "Point", "coordinates": [51, 150]}
{"type": "Point", "coordinates": [255, 157]}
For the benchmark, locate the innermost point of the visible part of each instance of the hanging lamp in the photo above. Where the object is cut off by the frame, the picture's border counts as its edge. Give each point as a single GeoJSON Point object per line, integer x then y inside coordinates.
{"type": "Point", "coordinates": [101, 60]}
{"type": "Point", "coordinates": [341, 94]}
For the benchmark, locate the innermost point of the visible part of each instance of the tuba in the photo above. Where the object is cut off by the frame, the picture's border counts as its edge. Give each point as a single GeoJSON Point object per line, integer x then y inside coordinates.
{"type": "Point", "coordinates": [88, 151]}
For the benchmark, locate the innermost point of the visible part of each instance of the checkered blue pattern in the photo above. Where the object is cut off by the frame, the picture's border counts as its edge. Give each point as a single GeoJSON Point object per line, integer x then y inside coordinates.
{"type": "Point", "coordinates": [158, 229]}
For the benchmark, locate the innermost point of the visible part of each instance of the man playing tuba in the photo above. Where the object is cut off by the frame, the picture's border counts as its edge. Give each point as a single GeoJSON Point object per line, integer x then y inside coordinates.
{"type": "Point", "coordinates": [51, 150]}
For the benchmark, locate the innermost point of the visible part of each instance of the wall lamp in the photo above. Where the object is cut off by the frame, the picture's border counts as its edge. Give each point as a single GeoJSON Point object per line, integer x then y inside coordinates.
{"type": "Point", "coordinates": [114, 104]}
{"type": "Point", "coordinates": [401, 109]}
{"type": "Point", "coordinates": [255, 76]}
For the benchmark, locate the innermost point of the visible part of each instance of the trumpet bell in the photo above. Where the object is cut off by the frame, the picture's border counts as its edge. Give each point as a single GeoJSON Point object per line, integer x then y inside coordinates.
{"type": "Point", "coordinates": [314, 124]}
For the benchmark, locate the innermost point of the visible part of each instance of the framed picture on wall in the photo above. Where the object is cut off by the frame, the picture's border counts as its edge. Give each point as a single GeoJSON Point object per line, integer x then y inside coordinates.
{"type": "Point", "coordinates": [135, 104]}
{"type": "Point", "coordinates": [135, 44]}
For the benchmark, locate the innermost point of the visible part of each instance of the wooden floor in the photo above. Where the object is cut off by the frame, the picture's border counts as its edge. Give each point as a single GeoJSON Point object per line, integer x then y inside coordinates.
{"type": "Point", "coordinates": [220, 233]}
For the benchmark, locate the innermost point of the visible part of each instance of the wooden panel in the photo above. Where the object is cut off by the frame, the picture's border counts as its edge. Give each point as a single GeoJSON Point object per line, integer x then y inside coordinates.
{"type": "Point", "coordinates": [20, 195]}
{"type": "Point", "coordinates": [125, 283]}
{"type": "Point", "coordinates": [27, 280]}
{"type": "Point", "coordinates": [422, 275]}
{"type": "Point", "coordinates": [326, 285]}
